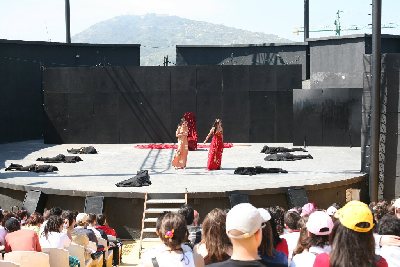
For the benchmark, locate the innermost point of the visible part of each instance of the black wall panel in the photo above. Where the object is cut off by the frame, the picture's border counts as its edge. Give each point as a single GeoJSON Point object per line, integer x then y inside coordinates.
{"type": "Point", "coordinates": [144, 104]}
{"type": "Point", "coordinates": [327, 117]}
{"type": "Point", "coordinates": [21, 80]}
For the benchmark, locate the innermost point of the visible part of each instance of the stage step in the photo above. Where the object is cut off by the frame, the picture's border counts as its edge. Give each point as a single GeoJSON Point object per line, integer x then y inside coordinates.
{"type": "Point", "coordinates": [160, 210]}
{"type": "Point", "coordinates": [159, 203]}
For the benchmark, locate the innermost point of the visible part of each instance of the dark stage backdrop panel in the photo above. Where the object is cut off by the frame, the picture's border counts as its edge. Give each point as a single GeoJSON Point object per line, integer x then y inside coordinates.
{"type": "Point", "coordinates": [144, 104]}
{"type": "Point", "coordinates": [327, 117]}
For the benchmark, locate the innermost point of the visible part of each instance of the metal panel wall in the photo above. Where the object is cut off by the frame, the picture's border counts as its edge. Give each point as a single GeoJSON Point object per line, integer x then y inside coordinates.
{"type": "Point", "coordinates": [144, 104]}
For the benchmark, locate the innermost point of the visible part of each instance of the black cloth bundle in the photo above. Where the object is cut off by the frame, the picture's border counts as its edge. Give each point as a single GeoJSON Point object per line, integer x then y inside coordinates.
{"type": "Point", "coordinates": [280, 149]}
{"type": "Point", "coordinates": [142, 178]}
{"type": "Point", "coordinates": [32, 168]}
{"type": "Point", "coordinates": [257, 170]}
{"type": "Point", "coordinates": [286, 157]}
{"type": "Point", "coordinates": [60, 158]}
{"type": "Point", "coordinates": [83, 150]}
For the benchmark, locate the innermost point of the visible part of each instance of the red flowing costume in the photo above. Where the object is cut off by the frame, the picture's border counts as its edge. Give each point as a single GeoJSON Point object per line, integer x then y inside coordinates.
{"type": "Point", "coordinates": [192, 134]}
{"type": "Point", "coordinates": [215, 152]}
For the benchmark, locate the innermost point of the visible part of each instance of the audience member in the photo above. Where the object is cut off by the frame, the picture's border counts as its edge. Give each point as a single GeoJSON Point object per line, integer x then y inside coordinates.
{"type": "Point", "coordinates": [307, 209]}
{"type": "Point", "coordinates": [103, 225]}
{"type": "Point", "coordinates": [22, 216]}
{"type": "Point", "coordinates": [277, 218]}
{"type": "Point", "coordinates": [81, 228]}
{"type": "Point", "coordinates": [379, 209]}
{"type": "Point", "coordinates": [34, 222]}
{"type": "Point", "coordinates": [302, 243]}
{"type": "Point", "coordinates": [3, 230]}
{"type": "Point", "coordinates": [68, 222]}
{"type": "Point", "coordinates": [396, 206]}
{"type": "Point", "coordinates": [390, 225]}
{"type": "Point", "coordinates": [215, 245]}
{"type": "Point", "coordinates": [196, 218]}
{"type": "Point", "coordinates": [319, 226]}
{"type": "Point", "coordinates": [172, 252]}
{"type": "Point", "coordinates": [292, 232]}
{"type": "Point", "coordinates": [52, 236]}
{"type": "Point", "coordinates": [92, 223]}
{"type": "Point", "coordinates": [269, 255]}
{"type": "Point", "coordinates": [18, 239]}
{"type": "Point", "coordinates": [194, 235]}
{"type": "Point", "coordinates": [352, 239]}
{"type": "Point", "coordinates": [243, 227]}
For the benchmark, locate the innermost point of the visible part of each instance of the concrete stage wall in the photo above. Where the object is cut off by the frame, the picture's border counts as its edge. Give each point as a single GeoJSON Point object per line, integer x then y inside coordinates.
{"type": "Point", "coordinates": [21, 64]}
{"type": "Point", "coordinates": [125, 214]}
{"type": "Point", "coordinates": [144, 104]}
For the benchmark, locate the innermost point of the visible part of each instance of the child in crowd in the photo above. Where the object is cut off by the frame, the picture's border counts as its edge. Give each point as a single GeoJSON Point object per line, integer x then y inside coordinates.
{"type": "Point", "coordinates": [292, 231]}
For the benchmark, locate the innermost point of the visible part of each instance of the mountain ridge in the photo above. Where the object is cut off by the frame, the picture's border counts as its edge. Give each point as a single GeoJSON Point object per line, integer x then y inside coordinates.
{"type": "Point", "coordinates": [159, 34]}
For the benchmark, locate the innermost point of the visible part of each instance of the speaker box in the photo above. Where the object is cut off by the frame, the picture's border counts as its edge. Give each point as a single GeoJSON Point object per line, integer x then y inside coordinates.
{"type": "Point", "coordinates": [297, 197]}
{"type": "Point", "coordinates": [34, 200]}
{"type": "Point", "coordinates": [94, 204]}
{"type": "Point", "coordinates": [237, 198]}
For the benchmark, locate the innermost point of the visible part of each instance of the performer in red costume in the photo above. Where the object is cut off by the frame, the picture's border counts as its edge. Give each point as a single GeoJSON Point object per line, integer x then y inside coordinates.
{"type": "Point", "coordinates": [216, 147]}
{"type": "Point", "coordinates": [192, 133]}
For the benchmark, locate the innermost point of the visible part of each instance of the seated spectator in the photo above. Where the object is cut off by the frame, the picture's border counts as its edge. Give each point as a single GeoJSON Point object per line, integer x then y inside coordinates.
{"type": "Point", "coordinates": [92, 223]}
{"type": "Point", "coordinates": [194, 235]}
{"type": "Point", "coordinates": [379, 209]}
{"type": "Point", "coordinates": [52, 236]}
{"type": "Point", "coordinates": [243, 227]}
{"type": "Point", "coordinates": [3, 230]}
{"type": "Point", "coordinates": [390, 225]}
{"type": "Point", "coordinates": [277, 226]}
{"type": "Point", "coordinates": [22, 216]}
{"type": "Point", "coordinates": [352, 239]}
{"type": "Point", "coordinates": [68, 222]}
{"type": "Point", "coordinates": [172, 252]}
{"type": "Point", "coordinates": [103, 225]}
{"type": "Point", "coordinates": [55, 211]}
{"type": "Point", "coordinates": [34, 222]}
{"type": "Point", "coordinates": [215, 245]}
{"type": "Point", "coordinates": [292, 231]}
{"type": "Point", "coordinates": [269, 255]}
{"type": "Point", "coordinates": [319, 226]}
{"type": "Point", "coordinates": [18, 239]}
{"type": "Point", "coordinates": [81, 228]}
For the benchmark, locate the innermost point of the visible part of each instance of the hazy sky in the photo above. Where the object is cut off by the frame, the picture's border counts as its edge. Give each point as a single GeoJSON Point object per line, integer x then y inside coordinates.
{"type": "Point", "coordinates": [45, 19]}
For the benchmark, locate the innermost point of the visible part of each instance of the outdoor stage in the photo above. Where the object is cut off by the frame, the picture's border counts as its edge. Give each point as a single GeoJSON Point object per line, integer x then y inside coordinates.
{"type": "Point", "coordinates": [325, 178]}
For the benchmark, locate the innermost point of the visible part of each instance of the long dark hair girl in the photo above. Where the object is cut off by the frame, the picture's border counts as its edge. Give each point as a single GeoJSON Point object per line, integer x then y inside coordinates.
{"type": "Point", "coordinates": [214, 236]}
{"type": "Point", "coordinates": [53, 224]}
{"type": "Point", "coordinates": [215, 125]}
{"type": "Point", "coordinates": [267, 244]}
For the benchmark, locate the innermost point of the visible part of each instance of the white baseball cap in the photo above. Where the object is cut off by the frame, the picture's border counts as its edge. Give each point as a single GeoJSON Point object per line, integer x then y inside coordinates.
{"type": "Point", "coordinates": [245, 218]}
{"type": "Point", "coordinates": [82, 217]}
{"type": "Point", "coordinates": [265, 215]}
{"type": "Point", "coordinates": [331, 210]}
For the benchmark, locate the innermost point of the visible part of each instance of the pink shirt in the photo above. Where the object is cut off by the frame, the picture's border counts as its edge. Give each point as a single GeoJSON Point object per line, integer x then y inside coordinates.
{"type": "Point", "coordinates": [22, 240]}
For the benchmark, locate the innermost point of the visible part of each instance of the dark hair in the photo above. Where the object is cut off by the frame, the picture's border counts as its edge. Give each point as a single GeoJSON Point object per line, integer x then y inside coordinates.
{"type": "Point", "coordinates": [267, 244]}
{"type": "Point", "coordinates": [56, 211]}
{"type": "Point", "coordinates": [159, 220]}
{"type": "Point", "coordinates": [12, 225]}
{"type": "Point", "coordinates": [389, 225]}
{"type": "Point", "coordinates": [7, 215]}
{"type": "Point", "coordinates": [291, 220]}
{"type": "Point", "coordinates": [214, 235]}
{"type": "Point", "coordinates": [181, 121]}
{"type": "Point", "coordinates": [173, 222]}
{"type": "Point", "coordinates": [303, 242]}
{"type": "Point", "coordinates": [215, 124]}
{"type": "Point", "coordinates": [379, 209]}
{"type": "Point", "coordinates": [351, 248]}
{"type": "Point", "coordinates": [318, 240]}
{"type": "Point", "coordinates": [53, 225]}
{"type": "Point", "coordinates": [101, 219]}
{"type": "Point", "coordinates": [46, 214]}
{"type": "Point", "coordinates": [21, 214]}
{"type": "Point", "coordinates": [277, 222]}
{"type": "Point", "coordinates": [68, 215]}
{"type": "Point", "coordinates": [35, 219]}
{"type": "Point", "coordinates": [92, 218]}
{"type": "Point", "coordinates": [187, 212]}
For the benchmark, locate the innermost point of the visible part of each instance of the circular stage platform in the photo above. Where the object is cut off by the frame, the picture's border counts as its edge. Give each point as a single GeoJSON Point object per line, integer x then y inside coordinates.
{"type": "Point", "coordinates": [325, 178]}
{"type": "Point", "coordinates": [98, 173]}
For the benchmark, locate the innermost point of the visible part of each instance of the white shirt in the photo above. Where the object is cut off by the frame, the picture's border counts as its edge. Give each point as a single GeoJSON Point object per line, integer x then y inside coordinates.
{"type": "Point", "coordinates": [307, 258]}
{"type": "Point", "coordinates": [291, 239]}
{"type": "Point", "coordinates": [166, 258]}
{"type": "Point", "coordinates": [391, 254]}
{"type": "Point", "coordinates": [96, 232]}
{"type": "Point", "coordinates": [54, 240]}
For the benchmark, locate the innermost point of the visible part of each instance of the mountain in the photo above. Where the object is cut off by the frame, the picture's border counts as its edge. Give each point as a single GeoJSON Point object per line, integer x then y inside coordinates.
{"type": "Point", "coordinates": [158, 35]}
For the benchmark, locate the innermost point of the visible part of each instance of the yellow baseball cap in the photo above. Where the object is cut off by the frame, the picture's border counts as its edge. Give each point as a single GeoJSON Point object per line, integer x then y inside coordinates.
{"type": "Point", "coordinates": [353, 214]}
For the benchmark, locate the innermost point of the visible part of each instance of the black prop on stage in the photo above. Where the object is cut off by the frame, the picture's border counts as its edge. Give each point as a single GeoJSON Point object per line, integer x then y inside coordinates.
{"type": "Point", "coordinates": [327, 117]}
{"type": "Point", "coordinates": [34, 200]}
{"type": "Point", "coordinates": [94, 204]}
{"type": "Point", "coordinates": [144, 104]}
{"type": "Point", "coordinates": [297, 197]}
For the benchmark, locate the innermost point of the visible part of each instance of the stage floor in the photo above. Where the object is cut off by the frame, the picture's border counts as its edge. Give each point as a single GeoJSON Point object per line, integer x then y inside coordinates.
{"type": "Point", "coordinates": [98, 173]}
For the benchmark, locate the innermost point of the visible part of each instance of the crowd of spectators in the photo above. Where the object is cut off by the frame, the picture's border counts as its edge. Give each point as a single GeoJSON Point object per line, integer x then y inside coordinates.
{"type": "Point", "coordinates": [57, 228]}
{"type": "Point", "coordinates": [356, 234]}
